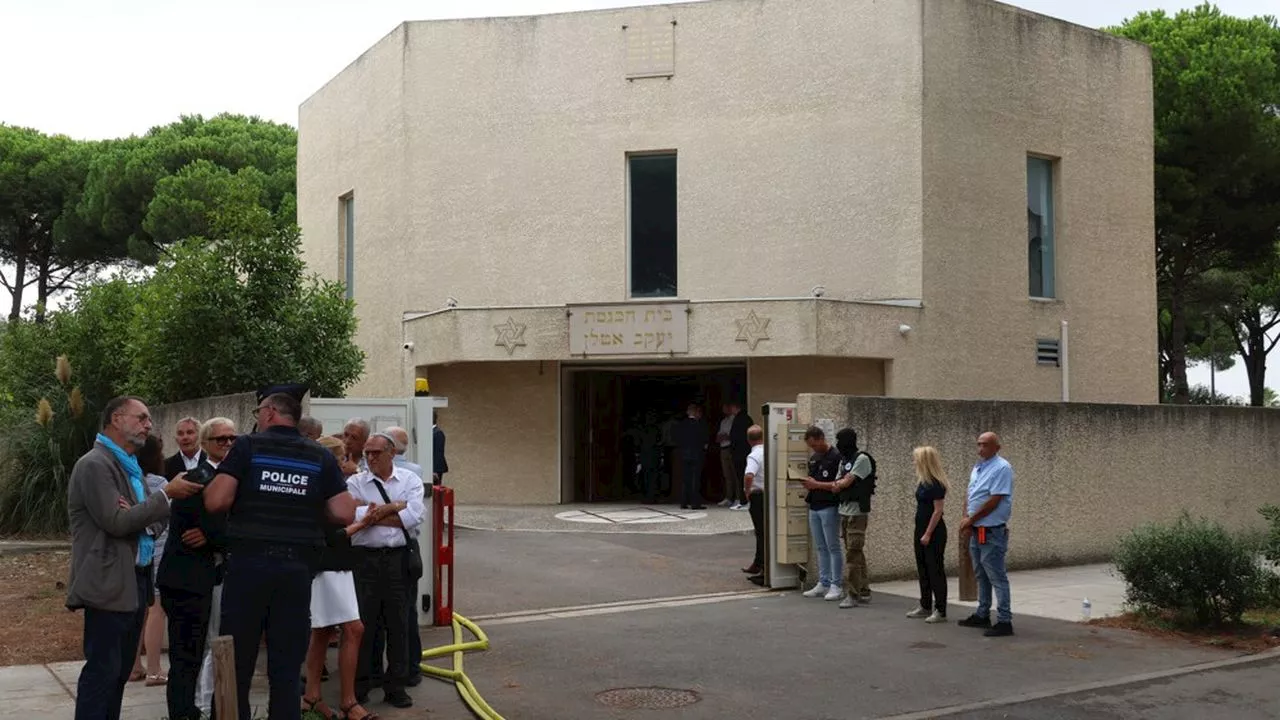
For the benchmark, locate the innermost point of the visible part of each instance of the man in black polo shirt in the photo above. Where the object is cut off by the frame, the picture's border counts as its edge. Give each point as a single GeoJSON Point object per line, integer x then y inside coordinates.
{"type": "Point", "coordinates": [279, 490]}
{"type": "Point", "coordinates": [824, 515]}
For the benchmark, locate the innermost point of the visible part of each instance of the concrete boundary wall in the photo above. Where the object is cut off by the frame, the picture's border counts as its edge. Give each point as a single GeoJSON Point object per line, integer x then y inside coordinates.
{"type": "Point", "coordinates": [1084, 474]}
{"type": "Point", "coordinates": [238, 407]}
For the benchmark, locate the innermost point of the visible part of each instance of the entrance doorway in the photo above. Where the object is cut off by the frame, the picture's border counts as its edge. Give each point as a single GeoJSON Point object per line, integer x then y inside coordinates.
{"type": "Point", "coordinates": [615, 415]}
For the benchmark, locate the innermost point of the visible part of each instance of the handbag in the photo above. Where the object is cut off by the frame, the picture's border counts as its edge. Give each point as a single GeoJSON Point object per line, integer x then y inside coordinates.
{"type": "Point", "coordinates": [412, 558]}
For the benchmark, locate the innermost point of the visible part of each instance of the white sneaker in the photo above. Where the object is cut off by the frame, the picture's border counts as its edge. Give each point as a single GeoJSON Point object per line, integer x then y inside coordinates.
{"type": "Point", "coordinates": [918, 613]}
{"type": "Point", "coordinates": [835, 593]}
{"type": "Point", "coordinates": [817, 591]}
{"type": "Point", "coordinates": [936, 618]}
{"type": "Point", "coordinates": [737, 506]}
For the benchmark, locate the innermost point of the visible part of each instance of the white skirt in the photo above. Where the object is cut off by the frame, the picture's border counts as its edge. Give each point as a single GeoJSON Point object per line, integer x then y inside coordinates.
{"type": "Point", "coordinates": [333, 599]}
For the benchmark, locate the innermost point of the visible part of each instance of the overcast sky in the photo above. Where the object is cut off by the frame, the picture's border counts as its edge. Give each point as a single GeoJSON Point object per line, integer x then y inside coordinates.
{"type": "Point", "coordinates": [108, 68]}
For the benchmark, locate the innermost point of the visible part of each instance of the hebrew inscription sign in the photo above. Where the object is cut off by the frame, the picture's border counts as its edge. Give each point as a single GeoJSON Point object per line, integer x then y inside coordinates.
{"type": "Point", "coordinates": [632, 329]}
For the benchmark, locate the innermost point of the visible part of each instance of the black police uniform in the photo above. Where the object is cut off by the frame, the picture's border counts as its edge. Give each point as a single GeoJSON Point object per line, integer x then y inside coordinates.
{"type": "Point", "coordinates": [275, 534]}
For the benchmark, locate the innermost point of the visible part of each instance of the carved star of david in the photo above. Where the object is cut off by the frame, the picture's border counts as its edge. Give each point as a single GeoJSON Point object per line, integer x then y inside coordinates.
{"type": "Point", "coordinates": [752, 329]}
{"type": "Point", "coordinates": [510, 335]}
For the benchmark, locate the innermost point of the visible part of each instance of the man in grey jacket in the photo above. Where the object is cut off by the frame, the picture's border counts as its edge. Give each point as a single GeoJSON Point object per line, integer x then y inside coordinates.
{"type": "Point", "coordinates": [111, 554]}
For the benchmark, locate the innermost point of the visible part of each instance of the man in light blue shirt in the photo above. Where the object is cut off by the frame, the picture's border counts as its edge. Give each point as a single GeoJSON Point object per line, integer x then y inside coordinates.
{"type": "Point", "coordinates": [986, 517]}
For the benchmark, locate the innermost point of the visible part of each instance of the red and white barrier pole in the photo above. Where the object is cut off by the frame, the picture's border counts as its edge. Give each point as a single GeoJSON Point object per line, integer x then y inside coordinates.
{"type": "Point", "coordinates": [442, 550]}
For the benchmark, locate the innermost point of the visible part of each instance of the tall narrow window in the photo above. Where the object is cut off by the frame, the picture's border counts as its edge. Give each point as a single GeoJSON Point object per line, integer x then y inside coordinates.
{"type": "Point", "coordinates": [1040, 227]}
{"type": "Point", "coordinates": [348, 205]}
{"type": "Point", "coordinates": [653, 225]}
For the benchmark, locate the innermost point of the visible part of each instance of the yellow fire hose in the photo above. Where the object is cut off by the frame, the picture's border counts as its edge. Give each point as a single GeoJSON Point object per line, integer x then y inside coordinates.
{"type": "Point", "coordinates": [456, 675]}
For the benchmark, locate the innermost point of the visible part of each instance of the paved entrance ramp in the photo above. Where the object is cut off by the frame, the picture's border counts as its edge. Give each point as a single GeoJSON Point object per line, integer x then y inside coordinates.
{"type": "Point", "coordinates": [593, 518]}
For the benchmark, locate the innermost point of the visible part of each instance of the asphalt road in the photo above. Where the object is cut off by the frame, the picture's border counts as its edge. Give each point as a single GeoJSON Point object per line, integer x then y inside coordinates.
{"type": "Point", "coordinates": [1247, 692]}
{"type": "Point", "coordinates": [498, 572]}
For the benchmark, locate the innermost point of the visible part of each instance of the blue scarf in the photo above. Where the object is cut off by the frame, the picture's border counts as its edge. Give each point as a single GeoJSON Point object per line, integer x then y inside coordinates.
{"type": "Point", "coordinates": [146, 543]}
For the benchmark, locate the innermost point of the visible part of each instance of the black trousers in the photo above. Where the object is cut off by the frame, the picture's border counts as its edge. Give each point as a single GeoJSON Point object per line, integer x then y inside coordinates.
{"type": "Point", "coordinates": [931, 569]}
{"type": "Point", "coordinates": [756, 507]}
{"type": "Point", "coordinates": [188, 615]}
{"type": "Point", "coordinates": [381, 592]}
{"type": "Point", "coordinates": [269, 590]}
{"type": "Point", "coordinates": [110, 645]}
{"type": "Point", "coordinates": [692, 485]}
{"type": "Point", "coordinates": [412, 637]}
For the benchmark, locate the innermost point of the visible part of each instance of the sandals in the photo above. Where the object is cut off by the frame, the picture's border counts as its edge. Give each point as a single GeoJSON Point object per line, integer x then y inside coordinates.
{"type": "Point", "coordinates": [137, 675]}
{"type": "Point", "coordinates": [346, 713]}
{"type": "Point", "coordinates": [309, 706]}
{"type": "Point", "coordinates": [157, 680]}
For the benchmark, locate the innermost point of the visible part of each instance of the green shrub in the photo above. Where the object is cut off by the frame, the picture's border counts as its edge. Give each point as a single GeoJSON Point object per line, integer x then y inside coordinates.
{"type": "Point", "coordinates": [1194, 569]}
{"type": "Point", "coordinates": [39, 444]}
{"type": "Point", "coordinates": [1271, 545]}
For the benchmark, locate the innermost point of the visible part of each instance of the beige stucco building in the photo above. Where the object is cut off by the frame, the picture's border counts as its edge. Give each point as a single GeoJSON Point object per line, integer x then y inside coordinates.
{"type": "Point", "coordinates": [562, 221]}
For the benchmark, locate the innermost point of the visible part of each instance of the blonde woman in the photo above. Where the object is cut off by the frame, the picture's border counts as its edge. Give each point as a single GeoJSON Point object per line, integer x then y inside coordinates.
{"type": "Point", "coordinates": [930, 536]}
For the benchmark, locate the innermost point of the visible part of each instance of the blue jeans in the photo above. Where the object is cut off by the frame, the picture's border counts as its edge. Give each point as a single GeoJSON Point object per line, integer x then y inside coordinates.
{"type": "Point", "coordinates": [110, 644]}
{"type": "Point", "coordinates": [824, 528]}
{"type": "Point", "coordinates": [988, 566]}
{"type": "Point", "coordinates": [268, 591]}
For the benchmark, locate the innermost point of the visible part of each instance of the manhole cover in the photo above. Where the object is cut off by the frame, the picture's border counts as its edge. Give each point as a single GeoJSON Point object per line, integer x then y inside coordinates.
{"type": "Point", "coordinates": [649, 698]}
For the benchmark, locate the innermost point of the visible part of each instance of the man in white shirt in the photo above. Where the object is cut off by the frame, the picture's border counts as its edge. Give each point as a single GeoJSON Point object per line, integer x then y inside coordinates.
{"type": "Point", "coordinates": [411, 606]}
{"type": "Point", "coordinates": [753, 486]}
{"type": "Point", "coordinates": [189, 455]}
{"type": "Point", "coordinates": [381, 579]}
{"type": "Point", "coordinates": [354, 435]}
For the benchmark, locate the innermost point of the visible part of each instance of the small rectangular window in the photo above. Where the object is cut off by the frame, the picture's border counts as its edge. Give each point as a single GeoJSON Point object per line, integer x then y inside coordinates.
{"type": "Point", "coordinates": [1047, 352]}
{"type": "Point", "coordinates": [653, 225]}
{"type": "Point", "coordinates": [1040, 227]}
{"type": "Point", "coordinates": [347, 206]}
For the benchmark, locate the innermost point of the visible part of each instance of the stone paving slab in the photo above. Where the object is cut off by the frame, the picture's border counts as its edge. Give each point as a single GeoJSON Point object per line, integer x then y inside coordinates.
{"type": "Point", "coordinates": [1056, 593]}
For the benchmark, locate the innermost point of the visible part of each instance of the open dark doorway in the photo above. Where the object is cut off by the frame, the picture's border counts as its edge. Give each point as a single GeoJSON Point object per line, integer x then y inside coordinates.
{"type": "Point", "coordinates": [620, 414]}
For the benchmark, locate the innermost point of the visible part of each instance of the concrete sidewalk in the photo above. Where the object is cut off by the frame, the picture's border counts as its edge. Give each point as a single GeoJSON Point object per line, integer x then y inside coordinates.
{"type": "Point", "coordinates": [1054, 593]}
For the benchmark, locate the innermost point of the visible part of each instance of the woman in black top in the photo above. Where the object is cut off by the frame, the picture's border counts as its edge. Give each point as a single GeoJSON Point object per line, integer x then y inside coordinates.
{"type": "Point", "coordinates": [930, 536]}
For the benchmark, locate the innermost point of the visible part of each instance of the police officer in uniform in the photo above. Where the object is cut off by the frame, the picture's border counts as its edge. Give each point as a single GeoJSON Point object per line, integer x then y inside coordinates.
{"type": "Point", "coordinates": [280, 489]}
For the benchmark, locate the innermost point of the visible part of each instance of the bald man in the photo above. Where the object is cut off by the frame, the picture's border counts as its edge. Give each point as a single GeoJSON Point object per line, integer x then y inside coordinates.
{"type": "Point", "coordinates": [402, 444]}
{"type": "Point", "coordinates": [986, 518]}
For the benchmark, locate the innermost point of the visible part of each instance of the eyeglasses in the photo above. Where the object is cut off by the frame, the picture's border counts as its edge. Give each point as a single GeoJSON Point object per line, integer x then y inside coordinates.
{"type": "Point", "coordinates": [259, 409]}
{"type": "Point", "coordinates": [140, 417]}
{"type": "Point", "coordinates": [223, 439]}
{"type": "Point", "coordinates": [373, 453]}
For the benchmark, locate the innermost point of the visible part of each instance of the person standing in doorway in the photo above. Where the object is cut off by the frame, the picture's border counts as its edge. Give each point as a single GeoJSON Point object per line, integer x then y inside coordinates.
{"type": "Point", "coordinates": [739, 447]}
{"type": "Point", "coordinates": [930, 536]}
{"type": "Point", "coordinates": [753, 487]}
{"type": "Point", "coordinates": [988, 509]}
{"type": "Point", "coordinates": [691, 443]}
{"type": "Point", "coordinates": [110, 577]}
{"type": "Point", "coordinates": [824, 516]}
{"type": "Point", "coordinates": [650, 450]}
{"type": "Point", "coordinates": [732, 488]}
{"type": "Point", "coordinates": [439, 464]}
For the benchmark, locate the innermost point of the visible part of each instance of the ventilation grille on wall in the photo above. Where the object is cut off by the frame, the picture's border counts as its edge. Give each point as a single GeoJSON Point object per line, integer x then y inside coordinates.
{"type": "Point", "coordinates": [1047, 352]}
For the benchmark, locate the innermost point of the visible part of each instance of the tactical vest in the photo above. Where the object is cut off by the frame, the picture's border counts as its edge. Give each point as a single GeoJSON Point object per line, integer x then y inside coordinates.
{"type": "Point", "coordinates": [279, 500]}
